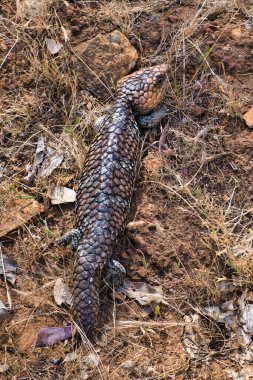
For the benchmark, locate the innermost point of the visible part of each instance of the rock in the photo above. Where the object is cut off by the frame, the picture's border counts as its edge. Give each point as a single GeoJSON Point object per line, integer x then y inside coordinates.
{"type": "Point", "coordinates": [248, 117]}
{"type": "Point", "coordinates": [152, 163]}
{"type": "Point", "coordinates": [53, 46]}
{"type": "Point", "coordinates": [62, 194]}
{"type": "Point", "coordinates": [102, 61]}
{"type": "Point", "coordinates": [18, 212]}
{"type": "Point", "coordinates": [237, 32]}
{"type": "Point", "coordinates": [248, 25]}
{"type": "Point", "coordinates": [142, 272]}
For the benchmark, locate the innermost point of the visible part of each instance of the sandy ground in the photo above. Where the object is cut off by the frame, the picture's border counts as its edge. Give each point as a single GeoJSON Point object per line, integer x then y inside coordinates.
{"type": "Point", "coordinates": [194, 191]}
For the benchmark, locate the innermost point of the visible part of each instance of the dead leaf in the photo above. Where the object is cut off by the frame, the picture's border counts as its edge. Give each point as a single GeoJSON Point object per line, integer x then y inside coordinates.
{"type": "Point", "coordinates": [46, 161]}
{"type": "Point", "coordinates": [214, 312]}
{"type": "Point", "coordinates": [229, 305]}
{"type": "Point", "coordinates": [62, 194]}
{"type": "Point", "coordinates": [53, 46]}
{"type": "Point", "coordinates": [246, 318]}
{"type": "Point", "coordinates": [195, 344]}
{"type": "Point", "coordinates": [8, 268]}
{"type": "Point", "coordinates": [142, 292]}
{"type": "Point", "coordinates": [137, 370]}
{"type": "Point", "coordinates": [5, 314]}
{"type": "Point", "coordinates": [138, 224]}
{"type": "Point", "coordinates": [52, 160]}
{"type": "Point", "coordinates": [129, 364]}
{"type": "Point", "coordinates": [225, 285]}
{"type": "Point", "coordinates": [31, 8]}
{"type": "Point", "coordinates": [62, 294]}
{"type": "Point", "coordinates": [70, 357]}
{"type": "Point", "coordinates": [89, 362]}
{"type": "Point", "coordinates": [51, 335]}
{"type": "Point", "coordinates": [2, 169]}
{"type": "Point", "coordinates": [66, 33]}
{"type": "Point", "coordinates": [39, 154]}
{"type": "Point", "coordinates": [244, 374]}
{"type": "Point", "coordinates": [17, 213]}
{"type": "Point", "coordinates": [237, 317]}
{"type": "Point", "coordinates": [248, 117]}
{"type": "Point", "coordinates": [38, 159]}
{"type": "Point", "coordinates": [4, 368]}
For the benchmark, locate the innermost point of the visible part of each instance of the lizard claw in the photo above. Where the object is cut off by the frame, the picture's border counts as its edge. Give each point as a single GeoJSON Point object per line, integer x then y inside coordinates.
{"type": "Point", "coordinates": [71, 237]}
{"type": "Point", "coordinates": [117, 272]}
{"type": "Point", "coordinates": [153, 118]}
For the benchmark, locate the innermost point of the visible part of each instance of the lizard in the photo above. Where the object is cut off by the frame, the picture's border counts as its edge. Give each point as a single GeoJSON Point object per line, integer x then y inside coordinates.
{"type": "Point", "coordinates": [106, 186]}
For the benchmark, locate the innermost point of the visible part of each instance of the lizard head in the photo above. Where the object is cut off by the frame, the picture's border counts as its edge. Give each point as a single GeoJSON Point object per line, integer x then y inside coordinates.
{"type": "Point", "coordinates": [145, 88]}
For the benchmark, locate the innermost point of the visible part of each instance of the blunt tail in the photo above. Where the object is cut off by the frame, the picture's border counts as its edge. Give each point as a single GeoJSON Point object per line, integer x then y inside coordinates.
{"type": "Point", "coordinates": [85, 292]}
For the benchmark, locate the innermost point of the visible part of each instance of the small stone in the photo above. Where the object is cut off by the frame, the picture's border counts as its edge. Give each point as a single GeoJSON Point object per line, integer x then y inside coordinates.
{"type": "Point", "coordinates": [142, 272]}
{"type": "Point", "coordinates": [248, 25]}
{"type": "Point", "coordinates": [129, 364]}
{"type": "Point", "coordinates": [248, 117]}
{"type": "Point", "coordinates": [62, 194]}
{"type": "Point", "coordinates": [153, 162]}
{"type": "Point", "coordinates": [102, 61]}
{"type": "Point", "coordinates": [237, 32]}
{"type": "Point", "coordinates": [226, 198]}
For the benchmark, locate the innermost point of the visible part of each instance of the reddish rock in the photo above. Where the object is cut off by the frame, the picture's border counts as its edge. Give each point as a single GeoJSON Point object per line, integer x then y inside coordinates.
{"type": "Point", "coordinates": [248, 117]}
{"type": "Point", "coordinates": [102, 61]}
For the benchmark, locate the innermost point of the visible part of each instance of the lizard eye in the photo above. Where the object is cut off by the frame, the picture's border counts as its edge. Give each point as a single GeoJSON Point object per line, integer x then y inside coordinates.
{"type": "Point", "coordinates": [159, 79]}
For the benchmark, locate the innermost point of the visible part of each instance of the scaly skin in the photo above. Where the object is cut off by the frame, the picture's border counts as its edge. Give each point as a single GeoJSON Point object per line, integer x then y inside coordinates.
{"type": "Point", "coordinates": [106, 186]}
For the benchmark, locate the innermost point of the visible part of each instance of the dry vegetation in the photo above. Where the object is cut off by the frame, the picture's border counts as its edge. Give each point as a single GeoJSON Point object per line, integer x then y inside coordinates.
{"type": "Point", "coordinates": [195, 185]}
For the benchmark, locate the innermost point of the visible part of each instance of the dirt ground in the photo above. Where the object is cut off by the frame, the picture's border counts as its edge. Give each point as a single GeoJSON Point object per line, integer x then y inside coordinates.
{"type": "Point", "coordinates": [194, 191]}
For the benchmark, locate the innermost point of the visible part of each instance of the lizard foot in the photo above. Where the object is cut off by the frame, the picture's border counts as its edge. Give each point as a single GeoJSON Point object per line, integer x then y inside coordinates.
{"type": "Point", "coordinates": [117, 272]}
{"type": "Point", "coordinates": [153, 118]}
{"type": "Point", "coordinates": [71, 237]}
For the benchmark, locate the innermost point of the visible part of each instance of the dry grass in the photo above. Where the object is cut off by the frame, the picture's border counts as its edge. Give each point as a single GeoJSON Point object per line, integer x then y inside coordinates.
{"type": "Point", "coordinates": [194, 188]}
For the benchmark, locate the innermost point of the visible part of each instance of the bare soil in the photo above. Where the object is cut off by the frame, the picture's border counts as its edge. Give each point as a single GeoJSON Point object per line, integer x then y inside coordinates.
{"type": "Point", "coordinates": [195, 185]}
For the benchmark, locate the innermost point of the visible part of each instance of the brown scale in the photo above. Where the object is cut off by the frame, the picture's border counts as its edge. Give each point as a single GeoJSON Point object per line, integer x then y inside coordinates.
{"type": "Point", "coordinates": [106, 186]}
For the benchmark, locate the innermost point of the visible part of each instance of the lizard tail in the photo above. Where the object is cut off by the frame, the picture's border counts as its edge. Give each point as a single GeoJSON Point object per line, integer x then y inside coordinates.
{"type": "Point", "coordinates": [85, 293]}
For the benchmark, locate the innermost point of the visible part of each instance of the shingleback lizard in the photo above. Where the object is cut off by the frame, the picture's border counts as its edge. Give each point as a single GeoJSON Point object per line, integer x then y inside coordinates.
{"type": "Point", "coordinates": [106, 186]}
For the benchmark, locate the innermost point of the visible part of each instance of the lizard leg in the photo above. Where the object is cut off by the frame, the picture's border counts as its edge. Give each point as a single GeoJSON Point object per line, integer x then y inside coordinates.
{"type": "Point", "coordinates": [117, 272]}
{"type": "Point", "coordinates": [71, 237]}
{"type": "Point", "coordinates": [153, 118]}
